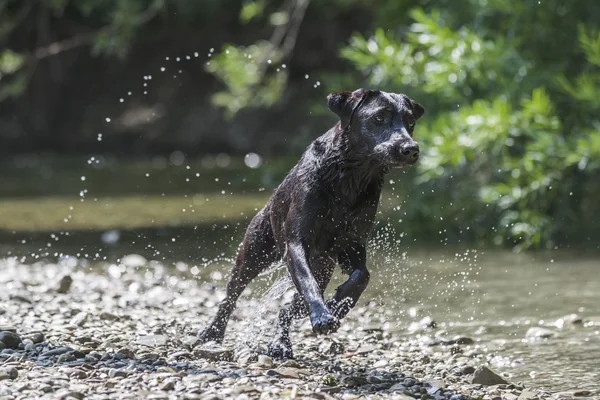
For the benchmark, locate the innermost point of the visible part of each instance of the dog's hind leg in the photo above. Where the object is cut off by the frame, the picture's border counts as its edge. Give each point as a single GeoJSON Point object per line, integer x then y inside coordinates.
{"type": "Point", "coordinates": [281, 345]}
{"type": "Point", "coordinates": [352, 260]}
{"type": "Point", "coordinates": [255, 255]}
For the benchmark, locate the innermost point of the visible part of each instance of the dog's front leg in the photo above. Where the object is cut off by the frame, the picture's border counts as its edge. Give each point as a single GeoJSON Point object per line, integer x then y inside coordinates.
{"type": "Point", "coordinates": [347, 294]}
{"type": "Point", "coordinates": [323, 321]}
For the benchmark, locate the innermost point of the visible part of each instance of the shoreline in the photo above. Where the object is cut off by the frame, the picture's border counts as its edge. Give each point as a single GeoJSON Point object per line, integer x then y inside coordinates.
{"type": "Point", "coordinates": [117, 333]}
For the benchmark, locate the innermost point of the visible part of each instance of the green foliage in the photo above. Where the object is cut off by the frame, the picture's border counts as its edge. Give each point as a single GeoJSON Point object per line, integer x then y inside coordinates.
{"type": "Point", "coordinates": [498, 156]}
{"type": "Point", "coordinates": [244, 71]}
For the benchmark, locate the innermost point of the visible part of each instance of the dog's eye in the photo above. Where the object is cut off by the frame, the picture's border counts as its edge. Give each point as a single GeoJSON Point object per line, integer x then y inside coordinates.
{"type": "Point", "coordinates": [379, 118]}
{"type": "Point", "coordinates": [411, 124]}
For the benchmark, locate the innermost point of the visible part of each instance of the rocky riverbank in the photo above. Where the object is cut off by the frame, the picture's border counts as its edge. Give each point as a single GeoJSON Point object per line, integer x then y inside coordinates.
{"type": "Point", "coordinates": [116, 331]}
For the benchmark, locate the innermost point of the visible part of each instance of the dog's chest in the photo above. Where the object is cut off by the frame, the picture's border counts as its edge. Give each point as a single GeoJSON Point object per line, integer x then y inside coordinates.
{"type": "Point", "coordinates": [335, 226]}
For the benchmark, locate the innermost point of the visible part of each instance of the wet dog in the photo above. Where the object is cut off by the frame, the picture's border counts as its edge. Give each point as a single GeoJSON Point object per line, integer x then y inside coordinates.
{"type": "Point", "coordinates": [322, 213]}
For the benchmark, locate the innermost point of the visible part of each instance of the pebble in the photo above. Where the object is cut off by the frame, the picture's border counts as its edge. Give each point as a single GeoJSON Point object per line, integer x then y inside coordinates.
{"type": "Point", "coordinates": [485, 376]}
{"type": "Point", "coordinates": [56, 352]}
{"type": "Point", "coordinates": [214, 353]}
{"type": "Point", "coordinates": [64, 285]}
{"type": "Point", "coordinates": [152, 340]}
{"type": "Point", "coordinates": [79, 319]}
{"type": "Point", "coordinates": [8, 373]}
{"type": "Point", "coordinates": [10, 340]}
{"type": "Point", "coordinates": [539, 333]}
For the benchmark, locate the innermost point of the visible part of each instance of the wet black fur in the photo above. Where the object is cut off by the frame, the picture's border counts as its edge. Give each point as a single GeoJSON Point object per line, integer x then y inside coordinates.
{"type": "Point", "coordinates": [322, 213]}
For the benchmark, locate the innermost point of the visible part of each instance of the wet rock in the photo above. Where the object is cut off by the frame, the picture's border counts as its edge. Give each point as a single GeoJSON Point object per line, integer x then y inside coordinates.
{"type": "Point", "coordinates": [152, 340]}
{"type": "Point", "coordinates": [128, 353]}
{"type": "Point", "coordinates": [67, 357]}
{"type": "Point", "coordinates": [117, 373]}
{"type": "Point", "coordinates": [265, 361]}
{"type": "Point", "coordinates": [167, 386]}
{"type": "Point", "coordinates": [458, 340]}
{"type": "Point", "coordinates": [539, 333]}
{"type": "Point", "coordinates": [290, 363]}
{"type": "Point", "coordinates": [331, 347]}
{"type": "Point", "coordinates": [64, 284]}
{"type": "Point", "coordinates": [134, 261]}
{"type": "Point", "coordinates": [434, 386]}
{"type": "Point", "coordinates": [485, 376]}
{"type": "Point", "coordinates": [354, 381]}
{"type": "Point", "coordinates": [190, 341]}
{"type": "Point", "coordinates": [424, 324]}
{"type": "Point", "coordinates": [8, 373]}
{"type": "Point", "coordinates": [366, 349]}
{"type": "Point", "coordinates": [528, 395]}
{"type": "Point", "coordinates": [569, 320]}
{"type": "Point", "coordinates": [10, 340]}
{"type": "Point", "coordinates": [582, 393]}
{"type": "Point", "coordinates": [108, 316]}
{"type": "Point", "coordinates": [214, 353]}
{"type": "Point", "coordinates": [285, 372]}
{"type": "Point", "coordinates": [35, 338]}
{"type": "Point", "coordinates": [79, 319]}
{"type": "Point", "coordinates": [57, 351]}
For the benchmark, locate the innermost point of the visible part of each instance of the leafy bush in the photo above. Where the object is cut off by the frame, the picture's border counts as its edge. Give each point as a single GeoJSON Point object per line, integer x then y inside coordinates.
{"type": "Point", "coordinates": [500, 159]}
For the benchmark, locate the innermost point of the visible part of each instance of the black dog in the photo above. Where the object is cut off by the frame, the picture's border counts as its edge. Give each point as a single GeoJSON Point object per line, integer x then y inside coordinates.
{"type": "Point", "coordinates": [322, 213]}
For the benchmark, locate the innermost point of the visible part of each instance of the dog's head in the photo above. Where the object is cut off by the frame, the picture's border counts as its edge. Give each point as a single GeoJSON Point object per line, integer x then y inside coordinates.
{"type": "Point", "coordinates": [382, 123]}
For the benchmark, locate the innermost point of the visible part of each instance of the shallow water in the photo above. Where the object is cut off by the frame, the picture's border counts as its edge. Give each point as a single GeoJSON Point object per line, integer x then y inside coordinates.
{"type": "Point", "coordinates": [493, 297]}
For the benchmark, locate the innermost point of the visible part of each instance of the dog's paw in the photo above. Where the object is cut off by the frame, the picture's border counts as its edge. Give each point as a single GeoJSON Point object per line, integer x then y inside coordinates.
{"type": "Point", "coordinates": [211, 334]}
{"type": "Point", "coordinates": [280, 349]}
{"type": "Point", "coordinates": [324, 323]}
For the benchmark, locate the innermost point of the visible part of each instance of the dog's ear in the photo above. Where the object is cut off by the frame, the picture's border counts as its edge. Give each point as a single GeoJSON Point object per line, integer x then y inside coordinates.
{"type": "Point", "coordinates": [417, 109]}
{"type": "Point", "coordinates": [338, 101]}
{"type": "Point", "coordinates": [343, 104]}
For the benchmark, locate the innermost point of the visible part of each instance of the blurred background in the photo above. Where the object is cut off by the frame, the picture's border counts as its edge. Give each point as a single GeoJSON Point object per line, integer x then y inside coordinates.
{"type": "Point", "coordinates": [153, 114]}
{"type": "Point", "coordinates": [159, 127]}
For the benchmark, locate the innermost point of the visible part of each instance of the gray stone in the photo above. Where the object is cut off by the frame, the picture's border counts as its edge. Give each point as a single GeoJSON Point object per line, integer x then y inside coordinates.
{"type": "Point", "coordinates": [190, 341]}
{"type": "Point", "coordinates": [8, 373]}
{"type": "Point", "coordinates": [331, 347]}
{"type": "Point", "coordinates": [265, 361]}
{"type": "Point", "coordinates": [128, 353]}
{"type": "Point", "coordinates": [286, 372]}
{"type": "Point", "coordinates": [214, 353]}
{"type": "Point", "coordinates": [354, 381]}
{"type": "Point", "coordinates": [108, 316]}
{"type": "Point", "coordinates": [528, 395]}
{"type": "Point", "coordinates": [79, 319]}
{"type": "Point", "coordinates": [167, 386]}
{"type": "Point", "coordinates": [56, 352]}
{"type": "Point", "coordinates": [117, 373]}
{"type": "Point", "coordinates": [152, 340]}
{"type": "Point", "coordinates": [67, 357]}
{"type": "Point", "coordinates": [290, 363]}
{"type": "Point", "coordinates": [35, 338]}
{"type": "Point", "coordinates": [134, 261]}
{"type": "Point", "coordinates": [539, 333]}
{"type": "Point", "coordinates": [485, 376]}
{"type": "Point", "coordinates": [10, 339]}
{"type": "Point", "coordinates": [64, 285]}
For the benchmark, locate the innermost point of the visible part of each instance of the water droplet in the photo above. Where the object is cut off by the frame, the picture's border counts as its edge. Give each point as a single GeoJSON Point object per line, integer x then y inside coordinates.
{"type": "Point", "coordinates": [252, 160]}
{"type": "Point", "coordinates": [83, 178]}
{"type": "Point", "coordinates": [306, 76]}
{"type": "Point", "coordinates": [107, 119]}
{"type": "Point", "coordinates": [162, 69]}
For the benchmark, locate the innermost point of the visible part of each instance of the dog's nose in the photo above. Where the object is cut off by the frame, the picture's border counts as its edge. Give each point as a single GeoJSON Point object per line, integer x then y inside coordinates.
{"type": "Point", "coordinates": [410, 151]}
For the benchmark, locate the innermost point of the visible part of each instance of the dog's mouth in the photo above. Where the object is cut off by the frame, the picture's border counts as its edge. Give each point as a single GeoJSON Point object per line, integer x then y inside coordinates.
{"type": "Point", "coordinates": [402, 163]}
